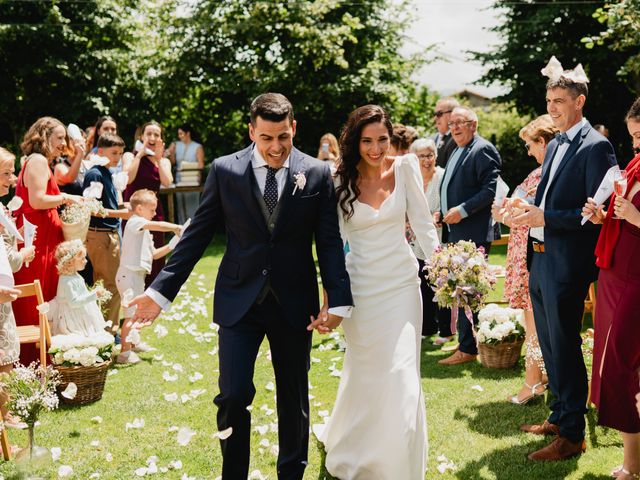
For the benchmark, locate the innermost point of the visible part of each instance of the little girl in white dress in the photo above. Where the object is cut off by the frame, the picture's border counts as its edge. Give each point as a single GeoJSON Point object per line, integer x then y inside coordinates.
{"type": "Point", "coordinates": [75, 308]}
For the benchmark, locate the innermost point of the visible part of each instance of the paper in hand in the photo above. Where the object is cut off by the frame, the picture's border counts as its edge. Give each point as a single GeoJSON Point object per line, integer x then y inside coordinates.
{"type": "Point", "coordinates": [29, 230]}
{"type": "Point", "coordinates": [176, 238]}
{"type": "Point", "coordinates": [139, 146]}
{"type": "Point", "coordinates": [74, 132]}
{"type": "Point", "coordinates": [6, 274]}
{"type": "Point", "coordinates": [604, 190]}
{"type": "Point", "coordinates": [502, 189]}
{"type": "Point", "coordinates": [9, 226]}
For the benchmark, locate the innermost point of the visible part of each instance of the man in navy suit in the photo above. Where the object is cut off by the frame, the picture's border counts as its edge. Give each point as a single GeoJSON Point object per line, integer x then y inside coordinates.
{"type": "Point", "coordinates": [273, 201]}
{"type": "Point", "coordinates": [561, 260]}
{"type": "Point", "coordinates": [466, 193]}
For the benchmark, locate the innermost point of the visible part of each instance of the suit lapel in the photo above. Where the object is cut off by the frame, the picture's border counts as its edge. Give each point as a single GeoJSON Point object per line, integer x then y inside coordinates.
{"type": "Point", "coordinates": [463, 158]}
{"type": "Point", "coordinates": [546, 167]}
{"type": "Point", "coordinates": [571, 151]}
{"type": "Point", "coordinates": [248, 178]}
{"type": "Point", "coordinates": [280, 214]}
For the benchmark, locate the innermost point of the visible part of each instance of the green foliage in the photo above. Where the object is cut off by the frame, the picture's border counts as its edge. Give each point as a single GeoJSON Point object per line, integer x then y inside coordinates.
{"type": "Point", "coordinates": [534, 31]}
{"type": "Point", "coordinates": [326, 56]}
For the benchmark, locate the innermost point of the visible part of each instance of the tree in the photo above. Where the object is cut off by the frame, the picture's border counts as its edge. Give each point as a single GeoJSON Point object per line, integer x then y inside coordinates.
{"type": "Point", "coordinates": [534, 31]}
{"type": "Point", "coordinates": [326, 56]}
{"type": "Point", "coordinates": [63, 59]}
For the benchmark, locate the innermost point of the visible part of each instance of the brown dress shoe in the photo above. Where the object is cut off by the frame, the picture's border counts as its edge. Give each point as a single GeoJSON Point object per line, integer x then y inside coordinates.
{"type": "Point", "coordinates": [457, 358]}
{"type": "Point", "coordinates": [560, 448]}
{"type": "Point", "coordinates": [544, 428]}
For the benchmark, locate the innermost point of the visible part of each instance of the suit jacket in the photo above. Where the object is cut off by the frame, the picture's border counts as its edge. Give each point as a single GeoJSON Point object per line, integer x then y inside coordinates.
{"type": "Point", "coordinates": [578, 176]}
{"type": "Point", "coordinates": [265, 251]}
{"type": "Point", "coordinates": [445, 149]}
{"type": "Point", "coordinates": [473, 185]}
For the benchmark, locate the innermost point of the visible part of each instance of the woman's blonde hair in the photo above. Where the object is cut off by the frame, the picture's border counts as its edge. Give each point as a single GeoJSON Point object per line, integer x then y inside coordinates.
{"type": "Point", "coordinates": [6, 157]}
{"type": "Point", "coordinates": [38, 137]}
{"type": "Point", "coordinates": [541, 127]}
{"type": "Point", "coordinates": [65, 253]}
{"type": "Point", "coordinates": [331, 139]}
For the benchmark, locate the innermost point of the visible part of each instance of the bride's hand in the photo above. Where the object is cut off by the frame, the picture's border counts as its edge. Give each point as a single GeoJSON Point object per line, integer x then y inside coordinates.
{"type": "Point", "coordinates": [330, 324]}
{"type": "Point", "coordinates": [322, 314]}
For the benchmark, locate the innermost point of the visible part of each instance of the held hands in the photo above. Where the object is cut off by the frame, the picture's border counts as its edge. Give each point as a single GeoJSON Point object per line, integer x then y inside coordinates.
{"type": "Point", "coordinates": [325, 322]}
{"type": "Point", "coordinates": [596, 211]}
{"type": "Point", "coordinates": [28, 254]}
{"type": "Point", "coordinates": [146, 310]}
{"type": "Point", "coordinates": [626, 210]}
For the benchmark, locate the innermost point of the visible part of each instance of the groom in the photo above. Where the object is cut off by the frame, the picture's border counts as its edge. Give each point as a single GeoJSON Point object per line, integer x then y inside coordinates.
{"type": "Point", "coordinates": [273, 201]}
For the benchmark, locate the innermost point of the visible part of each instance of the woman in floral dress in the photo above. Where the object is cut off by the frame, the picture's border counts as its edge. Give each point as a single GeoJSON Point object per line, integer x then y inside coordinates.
{"type": "Point", "coordinates": [536, 136]}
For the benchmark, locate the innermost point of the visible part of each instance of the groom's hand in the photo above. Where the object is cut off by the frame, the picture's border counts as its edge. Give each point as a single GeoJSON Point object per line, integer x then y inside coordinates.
{"type": "Point", "coordinates": [325, 324]}
{"type": "Point", "coordinates": [146, 310]}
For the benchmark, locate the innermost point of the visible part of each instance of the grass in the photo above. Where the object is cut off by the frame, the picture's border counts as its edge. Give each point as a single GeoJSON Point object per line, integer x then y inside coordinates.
{"type": "Point", "coordinates": [476, 430]}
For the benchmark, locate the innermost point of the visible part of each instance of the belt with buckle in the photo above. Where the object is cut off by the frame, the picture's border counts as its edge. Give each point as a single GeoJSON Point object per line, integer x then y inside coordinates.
{"type": "Point", "coordinates": [101, 229]}
{"type": "Point", "coordinates": [538, 247]}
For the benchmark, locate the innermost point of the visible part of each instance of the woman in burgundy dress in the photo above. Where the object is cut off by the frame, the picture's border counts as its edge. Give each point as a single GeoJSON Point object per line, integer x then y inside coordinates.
{"type": "Point", "coordinates": [616, 354]}
{"type": "Point", "coordinates": [40, 195]}
{"type": "Point", "coordinates": [149, 171]}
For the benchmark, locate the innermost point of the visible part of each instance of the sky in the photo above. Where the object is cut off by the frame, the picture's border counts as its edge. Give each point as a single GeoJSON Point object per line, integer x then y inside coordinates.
{"type": "Point", "coordinates": [456, 26]}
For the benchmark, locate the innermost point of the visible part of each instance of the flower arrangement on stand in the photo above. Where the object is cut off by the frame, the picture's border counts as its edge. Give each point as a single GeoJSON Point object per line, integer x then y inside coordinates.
{"type": "Point", "coordinates": [500, 336]}
{"type": "Point", "coordinates": [31, 390]}
{"type": "Point", "coordinates": [460, 278]}
{"type": "Point", "coordinates": [75, 218]}
{"type": "Point", "coordinates": [82, 363]}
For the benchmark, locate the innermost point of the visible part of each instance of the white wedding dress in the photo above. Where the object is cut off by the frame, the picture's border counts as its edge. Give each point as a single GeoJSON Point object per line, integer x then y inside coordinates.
{"type": "Point", "coordinates": [378, 429]}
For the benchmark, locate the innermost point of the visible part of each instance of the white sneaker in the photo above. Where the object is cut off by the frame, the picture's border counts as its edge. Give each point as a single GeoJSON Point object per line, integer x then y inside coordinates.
{"type": "Point", "coordinates": [129, 357]}
{"type": "Point", "coordinates": [142, 347]}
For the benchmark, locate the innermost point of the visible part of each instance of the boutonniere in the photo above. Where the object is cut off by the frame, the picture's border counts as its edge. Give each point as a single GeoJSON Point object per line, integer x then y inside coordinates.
{"type": "Point", "coordinates": [300, 181]}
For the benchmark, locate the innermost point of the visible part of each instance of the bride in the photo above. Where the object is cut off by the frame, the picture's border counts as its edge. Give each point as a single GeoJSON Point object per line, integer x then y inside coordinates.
{"type": "Point", "coordinates": [378, 430]}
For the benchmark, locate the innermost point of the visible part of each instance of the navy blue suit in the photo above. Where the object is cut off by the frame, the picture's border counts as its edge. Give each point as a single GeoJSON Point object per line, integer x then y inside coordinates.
{"type": "Point", "coordinates": [560, 276]}
{"type": "Point", "coordinates": [472, 185]}
{"type": "Point", "coordinates": [266, 285]}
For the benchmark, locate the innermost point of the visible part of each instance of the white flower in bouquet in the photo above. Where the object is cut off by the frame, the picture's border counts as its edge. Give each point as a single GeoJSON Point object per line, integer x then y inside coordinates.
{"type": "Point", "coordinates": [499, 325]}
{"type": "Point", "coordinates": [73, 349]}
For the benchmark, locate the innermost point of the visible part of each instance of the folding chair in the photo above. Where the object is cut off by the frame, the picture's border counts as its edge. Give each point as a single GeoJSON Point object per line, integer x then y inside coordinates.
{"type": "Point", "coordinates": [38, 334]}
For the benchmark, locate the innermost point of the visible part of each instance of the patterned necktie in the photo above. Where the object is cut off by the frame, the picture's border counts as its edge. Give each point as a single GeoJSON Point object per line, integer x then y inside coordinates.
{"type": "Point", "coordinates": [562, 138]}
{"type": "Point", "coordinates": [271, 189]}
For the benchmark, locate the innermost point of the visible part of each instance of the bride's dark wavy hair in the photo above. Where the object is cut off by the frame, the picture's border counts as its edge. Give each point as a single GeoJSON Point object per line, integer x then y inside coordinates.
{"type": "Point", "coordinates": [347, 191]}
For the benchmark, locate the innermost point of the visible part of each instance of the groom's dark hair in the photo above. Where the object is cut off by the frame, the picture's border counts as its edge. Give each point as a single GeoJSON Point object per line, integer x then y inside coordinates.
{"type": "Point", "coordinates": [273, 107]}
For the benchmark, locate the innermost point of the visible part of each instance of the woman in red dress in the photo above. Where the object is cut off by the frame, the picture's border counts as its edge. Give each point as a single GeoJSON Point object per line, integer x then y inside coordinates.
{"type": "Point", "coordinates": [45, 140]}
{"type": "Point", "coordinates": [150, 172]}
{"type": "Point", "coordinates": [616, 353]}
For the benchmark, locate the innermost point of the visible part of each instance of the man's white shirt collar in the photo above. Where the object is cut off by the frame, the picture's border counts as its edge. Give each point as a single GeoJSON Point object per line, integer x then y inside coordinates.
{"type": "Point", "coordinates": [258, 161]}
{"type": "Point", "coordinates": [573, 131]}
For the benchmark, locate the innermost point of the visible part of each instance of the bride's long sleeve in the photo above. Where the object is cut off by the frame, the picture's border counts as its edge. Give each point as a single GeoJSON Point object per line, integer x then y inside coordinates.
{"type": "Point", "coordinates": [417, 205]}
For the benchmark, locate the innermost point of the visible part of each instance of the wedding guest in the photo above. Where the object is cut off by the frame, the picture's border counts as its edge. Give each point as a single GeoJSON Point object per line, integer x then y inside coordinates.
{"type": "Point", "coordinates": [615, 380]}
{"type": "Point", "coordinates": [138, 253]}
{"type": "Point", "coordinates": [75, 308]}
{"type": "Point", "coordinates": [536, 136]}
{"type": "Point", "coordinates": [560, 256]}
{"type": "Point", "coordinates": [105, 124]}
{"type": "Point", "coordinates": [425, 150]}
{"type": "Point", "coordinates": [9, 342]}
{"type": "Point", "coordinates": [45, 140]}
{"type": "Point", "coordinates": [329, 150]}
{"type": "Point", "coordinates": [466, 194]}
{"type": "Point", "coordinates": [147, 171]}
{"type": "Point", "coordinates": [103, 238]}
{"type": "Point", "coordinates": [66, 172]}
{"type": "Point", "coordinates": [444, 140]}
{"type": "Point", "coordinates": [182, 153]}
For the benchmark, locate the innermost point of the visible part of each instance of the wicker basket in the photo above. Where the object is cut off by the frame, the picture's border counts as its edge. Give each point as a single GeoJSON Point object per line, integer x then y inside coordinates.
{"type": "Point", "coordinates": [78, 230]}
{"type": "Point", "coordinates": [501, 355]}
{"type": "Point", "coordinates": [89, 380]}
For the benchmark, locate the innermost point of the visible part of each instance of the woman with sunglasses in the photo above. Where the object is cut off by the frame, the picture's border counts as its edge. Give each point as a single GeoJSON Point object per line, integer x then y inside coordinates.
{"type": "Point", "coordinates": [425, 150]}
{"type": "Point", "coordinates": [536, 136]}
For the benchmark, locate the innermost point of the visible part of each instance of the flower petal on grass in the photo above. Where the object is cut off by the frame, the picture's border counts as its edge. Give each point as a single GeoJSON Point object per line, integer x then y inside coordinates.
{"type": "Point", "coordinates": [184, 436]}
{"type": "Point", "coordinates": [170, 397]}
{"type": "Point", "coordinates": [70, 392]}
{"type": "Point", "coordinates": [65, 471]}
{"type": "Point", "coordinates": [55, 453]}
{"type": "Point", "coordinates": [270, 386]}
{"type": "Point", "coordinates": [137, 423]}
{"type": "Point", "coordinates": [195, 377]}
{"type": "Point", "coordinates": [167, 377]}
{"type": "Point", "coordinates": [477, 388]}
{"type": "Point", "coordinates": [96, 419]}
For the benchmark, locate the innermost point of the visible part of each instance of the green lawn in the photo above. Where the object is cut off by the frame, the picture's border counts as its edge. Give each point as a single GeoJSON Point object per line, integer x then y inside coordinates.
{"type": "Point", "coordinates": [476, 430]}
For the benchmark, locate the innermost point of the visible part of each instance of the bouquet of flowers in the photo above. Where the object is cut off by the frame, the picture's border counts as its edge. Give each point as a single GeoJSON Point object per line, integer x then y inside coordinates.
{"type": "Point", "coordinates": [75, 218]}
{"type": "Point", "coordinates": [31, 390]}
{"type": "Point", "coordinates": [460, 277]}
{"type": "Point", "coordinates": [73, 349]}
{"type": "Point", "coordinates": [500, 325]}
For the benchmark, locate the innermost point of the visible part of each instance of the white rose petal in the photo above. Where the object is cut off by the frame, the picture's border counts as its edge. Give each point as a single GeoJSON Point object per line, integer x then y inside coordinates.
{"type": "Point", "coordinates": [262, 429]}
{"type": "Point", "coordinates": [96, 419]}
{"type": "Point", "coordinates": [270, 386]}
{"type": "Point", "coordinates": [175, 464]}
{"type": "Point", "coordinates": [195, 377]}
{"type": "Point", "coordinates": [141, 472]}
{"type": "Point", "coordinates": [478, 388]}
{"type": "Point", "coordinates": [15, 203]}
{"type": "Point", "coordinates": [70, 392]}
{"type": "Point", "coordinates": [134, 336]}
{"type": "Point", "coordinates": [184, 436]}
{"type": "Point", "coordinates": [160, 331]}
{"type": "Point", "coordinates": [137, 423]}
{"type": "Point", "coordinates": [55, 453]}
{"type": "Point", "coordinates": [65, 471]}
{"type": "Point", "coordinates": [184, 398]}
{"type": "Point", "coordinates": [95, 443]}
{"type": "Point", "coordinates": [94, 475]}
{"type": "Point", "coordinates": [171, 397]}
{"type": "Point", "coordinates": [195, 356]}
{"type": "Point", "coordinates": [108, 457]}
{"type": "Point", "coordinates": [167, 377]}
{"type": "Point", "coordinates": [256, 475]}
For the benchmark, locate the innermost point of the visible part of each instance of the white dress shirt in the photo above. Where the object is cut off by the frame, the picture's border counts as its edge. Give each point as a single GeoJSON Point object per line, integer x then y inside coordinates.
{"type": "Point", "coordinates": [538, 232]}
